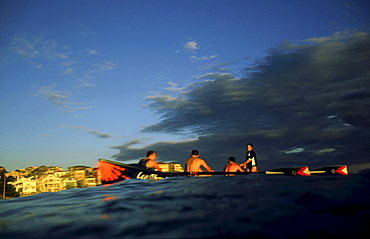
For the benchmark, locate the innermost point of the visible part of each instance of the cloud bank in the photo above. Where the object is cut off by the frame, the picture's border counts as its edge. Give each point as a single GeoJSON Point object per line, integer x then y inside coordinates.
{"type": "Point", "coordinates": [303, 103]}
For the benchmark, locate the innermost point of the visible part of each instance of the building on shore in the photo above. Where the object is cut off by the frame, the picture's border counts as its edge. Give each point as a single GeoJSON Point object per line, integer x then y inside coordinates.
{"type": "Point", "coordinates": [69, 182]}
{"type": "Point", "coordinates": [25, 186]}
{"type": "Point", "coordinates": [41, 179]}
{"type": "Point", "coordinates": [51, 183]}
{"type": "Point", "coordinates": [170, 167]}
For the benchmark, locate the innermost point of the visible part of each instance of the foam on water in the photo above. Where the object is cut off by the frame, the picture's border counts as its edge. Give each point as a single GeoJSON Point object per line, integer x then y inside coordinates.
{"type": "Point", "coordinates": [268, 206]}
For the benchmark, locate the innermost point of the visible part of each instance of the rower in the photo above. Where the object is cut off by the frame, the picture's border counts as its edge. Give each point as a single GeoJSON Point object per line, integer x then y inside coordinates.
{"type": "Point", "coordinates": [251, 159]}
{"type": "Point", "coordinates": [194, 163]}
{"type": "Point", "coordinates": [149, 161]}
{"type": "Point", "coordinates": [232, 166]}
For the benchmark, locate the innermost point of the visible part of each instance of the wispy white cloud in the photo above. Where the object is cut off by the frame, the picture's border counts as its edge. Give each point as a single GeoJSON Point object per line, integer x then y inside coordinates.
{"type": "Point", "coordinates": [94, 132]}
{"type": "Point", "coordinates": [191, 46]}
{"type": "Point", "coordinates": [39, 51]}
{"type": "Point", "coordinates": [53, 96]}
{"type": "Point", "coordinates": [85, 83]}
{"type": "Point", "coordinates": [294, 150]}
{"type": "Point", "coordinates": [222, 66]}
{"type": "Point", "coordinates": [85, 31]}
{"type": "Point", "coordinates": [92, 52]}
{"type": "Point", "coordinates": [73, 108]}
{"type": "Point", "coordinates": [216, 76]}
{"type": "Point", "coordinates": [80, 67]}
{"type": "Point", "coordinates": [173, 87]}
{"type": "Point", "coordinates": [106, 65]}
{"type": "Point", "coordinates": [68, 71]}
{"type": "Point", "coordinates": [324, 151]}
{"type": "Point", "coordinates": [61, 98]}
{"type": "Point", "coordinates": [203, 58]}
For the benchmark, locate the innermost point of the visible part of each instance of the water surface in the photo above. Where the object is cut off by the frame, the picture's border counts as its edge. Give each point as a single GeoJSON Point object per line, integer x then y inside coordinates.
{"type": "Point", "coordinates": [245, 206]}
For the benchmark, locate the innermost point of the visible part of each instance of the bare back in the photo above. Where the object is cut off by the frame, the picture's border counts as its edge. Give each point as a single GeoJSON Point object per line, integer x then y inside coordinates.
{"type": "Point", "coordinates": [194, 164]}
{"type": "Point", "coordinates": [233, 167]}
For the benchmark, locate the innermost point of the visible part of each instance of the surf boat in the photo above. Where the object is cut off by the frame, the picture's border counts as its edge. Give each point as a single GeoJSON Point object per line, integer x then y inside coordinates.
{"type": "Point", "coordinates": [113, 172]}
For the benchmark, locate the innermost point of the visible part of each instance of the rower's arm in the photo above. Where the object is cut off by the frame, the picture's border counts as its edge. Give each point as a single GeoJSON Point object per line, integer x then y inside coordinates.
{"type": "Point", "coordinates": [153, 165]}
{"type": "Point", "coordinates": [157, 167]}
{"type": "Point", "coordinates": [240, 169]}
{"type": "Point", "coordinates": [205, 165]}
{"type": "Point", "coordinates": [245, 163]}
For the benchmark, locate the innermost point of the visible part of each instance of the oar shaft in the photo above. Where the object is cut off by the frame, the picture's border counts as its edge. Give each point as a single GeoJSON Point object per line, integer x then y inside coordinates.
{"type": "Point", "coordinates": [317, 172]}
{"type": "Point", "coordinates": [269, 172]}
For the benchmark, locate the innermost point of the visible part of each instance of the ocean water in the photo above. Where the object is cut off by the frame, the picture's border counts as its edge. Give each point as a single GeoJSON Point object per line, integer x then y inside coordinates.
{"type": "Point", "coordinates": [245, 206]}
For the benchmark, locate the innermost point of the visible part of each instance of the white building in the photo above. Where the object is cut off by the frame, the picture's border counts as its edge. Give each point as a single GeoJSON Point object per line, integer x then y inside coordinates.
{"type": "Point", "coordinates": [170, 167]}
{"type": "Point", "coordinates": [90, 182]}
{"type": "Point", "coordinates": [60, 174]}
{"type": "Point", "coordinates": [25, 186]}
{"type": "Point", "coordinates": [69, 182]}
{"type": "Point", "coordinates": [50, 183]}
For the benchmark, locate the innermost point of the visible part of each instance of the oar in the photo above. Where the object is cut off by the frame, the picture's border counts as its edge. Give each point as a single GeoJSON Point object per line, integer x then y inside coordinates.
{"type": "Point", "coordinates": [331, 170]}
{"type": "Point", "coordinates": [293, 171]}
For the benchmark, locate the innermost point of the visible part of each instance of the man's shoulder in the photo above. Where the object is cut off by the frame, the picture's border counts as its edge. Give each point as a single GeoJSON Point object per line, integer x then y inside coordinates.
{"type": "Point", "coordinates": [194, 159]}
{"type": "Point", "coordinates": [189, 159]}
{"type": "Point", "coordinates": [149, 161]}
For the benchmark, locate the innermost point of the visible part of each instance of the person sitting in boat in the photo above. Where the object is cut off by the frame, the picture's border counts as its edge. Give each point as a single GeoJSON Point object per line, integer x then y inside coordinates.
{"type": "Point", "coordinates": [250, 160]}
{"type": "Point", "coordinates": [194, 163]}
{"type": "Point", "coordinates": [149, 161]}
{"type": "Point", "coordinates": [232, 166]}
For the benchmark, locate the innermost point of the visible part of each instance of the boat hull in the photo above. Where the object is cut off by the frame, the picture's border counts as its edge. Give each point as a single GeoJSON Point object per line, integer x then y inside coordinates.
{"type": "Point", "coordinates": [113, 172]}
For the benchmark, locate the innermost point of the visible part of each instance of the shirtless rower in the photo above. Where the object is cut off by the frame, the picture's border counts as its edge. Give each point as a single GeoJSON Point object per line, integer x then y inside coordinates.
{"type": "Point", "coordinates": [194, 163]}
{"type": "Point", "coordinates": [232, 166]}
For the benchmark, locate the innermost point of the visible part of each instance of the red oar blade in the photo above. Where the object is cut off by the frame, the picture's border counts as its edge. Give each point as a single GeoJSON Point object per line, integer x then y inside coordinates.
{"type": "Point", "coordinates": [293, 171]}
{"type": "Point", "coordinates": [331, 170]}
